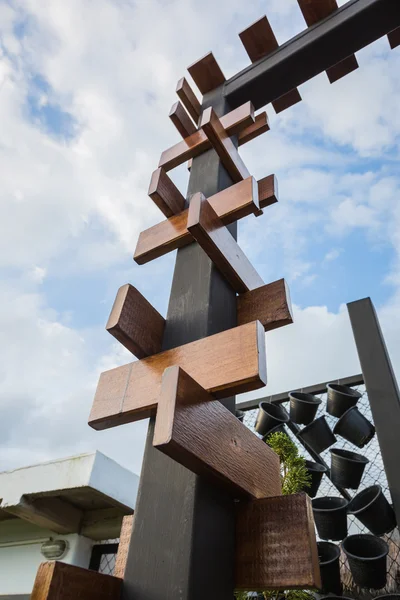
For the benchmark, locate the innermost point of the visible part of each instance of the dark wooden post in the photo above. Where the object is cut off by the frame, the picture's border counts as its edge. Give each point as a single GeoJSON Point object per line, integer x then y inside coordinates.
{"type": "Point", "coordinates": [182, 544]}
{"type": "Point", "coordinates": [382, 389]}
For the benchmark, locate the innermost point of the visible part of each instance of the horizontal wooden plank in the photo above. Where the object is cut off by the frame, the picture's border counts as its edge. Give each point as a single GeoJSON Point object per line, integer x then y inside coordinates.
{"type": "Point", "coordinates": [269, 304]}
{"type": "Point", "coordinates": [135, 323]}
{"type": "Point", "coordinates": [234, 123]}
{"type": "Point", "coordinates": [227, 363]}
{"type": "Point", "coordinates": [189, 99]}
{"type": "Point", "coordinates": [233, 203]}
{"type": "Point", "coordinates": [206, 73]}
{"type": "Point", "coordinates": [394, 38]}
{"type": "Point", "coordinates": [211, 124]}
{"type": "Point", "coordinates": [165, 194]}
{"type": "Point", "coordinates": [181, 120]}
{"type": "Point", "coordinates": [343, 68]}
{"type": "Point", "coordinates": [201, 434]}
{"type": "Point", "coordinates": [286, 101]}
{"type": "Point", "coordinates": [260, 126]}
{"type": "Point", "coordinates": [276, 548]}
{"type": "Point", "coordinates": [60, 581]}
{"type": "Point", "coordinates": [218, 243]}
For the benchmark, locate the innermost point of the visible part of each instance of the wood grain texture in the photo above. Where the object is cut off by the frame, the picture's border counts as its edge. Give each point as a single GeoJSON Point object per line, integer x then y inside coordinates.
{"type": "Point", "coordinates": [165, 194]}
{"type": "Point", "coordinates": [286, 101]}
{"type": "Point", "coordinates": [223, 145]}
{"type": "Point", "coordinates": [269, 304]}
{"type": "Point", "coordinates": [342, 68]}
{"type": "Point", "coordinates": [123, 546]}
{"type": "Point", "coordinates": [226, 363]}
{"type": "Point", "coordinates": [236, 202]}
{"type": "Point", "coordinates": [234, 123]}
{"type": "Point", "coordinates": [206, 73]}
{"type": "Point", "coordinates": [181, 120]}
{"type": "Point", "coordinates": [60, 581]}
{"type": "Point", "coordinates": [394, 38]}
{"type": "Point", "coordinates": [209, 231]}
{"type": "Point", "coordinates": [189, 99]}
{"type": "Point", "coordinates": [276, 548]}
{"type": "Point", "coordinates": [135, 323]}
{"type": "Point", "coordinates": [201, 434]}
{"type": "Point", "coordinates": [260, 126]}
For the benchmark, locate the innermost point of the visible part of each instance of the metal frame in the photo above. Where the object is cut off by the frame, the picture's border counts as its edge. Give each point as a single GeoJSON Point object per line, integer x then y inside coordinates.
{"type": "Point", "coordinates": [98, 551]}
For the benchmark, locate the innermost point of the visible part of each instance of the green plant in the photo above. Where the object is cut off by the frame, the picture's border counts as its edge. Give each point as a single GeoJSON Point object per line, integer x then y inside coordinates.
{"type": "Point", "coordinates": [294, 474]}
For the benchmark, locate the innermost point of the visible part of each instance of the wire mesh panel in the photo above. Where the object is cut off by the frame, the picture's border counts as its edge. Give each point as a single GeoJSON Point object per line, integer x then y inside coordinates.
{"type": "Point", "coordinates": [104, 555]}
{"type": "Point", "coordinates": [374, 474]}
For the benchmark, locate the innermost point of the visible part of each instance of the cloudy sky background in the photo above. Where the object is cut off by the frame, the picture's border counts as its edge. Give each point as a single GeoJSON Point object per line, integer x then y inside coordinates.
{"type": "Point", "coordinates": [85, 91]}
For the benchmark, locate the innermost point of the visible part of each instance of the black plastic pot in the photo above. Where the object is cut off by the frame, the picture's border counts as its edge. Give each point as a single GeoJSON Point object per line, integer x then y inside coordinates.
{"type": "Point", "coordinates": [303, 407]}
{"type": "Point", "coordinates": [340, 398]}
{"type": "Point", "coordinates": [328, 555]}
{"type": "Point", "coordinates": [240, 414]}
{"type": "Point", "coordinates": [355, 428]}
{"type": "Point", "coordinates": [373, 510]}
{"type": "Point", "coordinates": [388, 597]}
{"type": "Point", "coordinates": [347, 468]}
{"type": "Point", "coordinates": [318, 435]}
{"type": "Point", "coordinates": [330, 516]}
{"type": "Point", "coordinates": [316, 471]}
{"type": "Point", "coordinates": [270, 416]}
{"type": "Point", "coordinates": [367, 560]}
{"type": "Point", "coordinates": [337, 598]}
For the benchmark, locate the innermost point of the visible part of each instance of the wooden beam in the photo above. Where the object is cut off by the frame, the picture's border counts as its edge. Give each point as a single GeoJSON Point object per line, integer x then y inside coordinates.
{"type": "Point", "coordinates": [394, 38]}
{"type": "Point", "coordinates": [165, 194]}
{"type": "Point", "coordinates": [315, 11]}
{"type": "Point", "coordinates": [236, 202]}
{"type": "Point", "coordinates": [202, 435]}
{"type": "Point", "coordinates": [234, 123]}
{"type": "Point", "coordinates": [260, 126]}
{"type": "Point", "coordinates": [135, 323]}
{"type": "Point", "coordinates": [60, 581]}
{"type": "Point", "coordinates": [259, 40]}
{"type": "Point", "coordinates": [96, 522]}
{"type": "Point", "coordinates": [269, 304]}
{"type": "Point", "coordinates": [188, 98]}
{"type": "Point", "coordinates": [130, 393]}
{"type": "Point", "coordinates": [206, 73]}
{"type": "Point", "coordinates": [123, 546]}
{"type": "Point", "coordinates": [50, 513]}
{"type": "Point", "coordinates": [181, 120]}
{"type": "Point", "coordinates": [223, 145]}
{"type": "Point", "coordinates": [209, 231]}
{"type": "Point", "coordinates": [276, 548]}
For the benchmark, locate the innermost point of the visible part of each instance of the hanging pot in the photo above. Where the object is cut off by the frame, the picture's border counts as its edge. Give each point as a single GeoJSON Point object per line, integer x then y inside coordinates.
{"type": "Point", "coordinates": [316, 471]}
{"type": "Point", "coordinates": [303, 407]}
{"type": "Point", "coordinates": [328, 555]}
{"type": "Point", "coordinates": [373, 510]}
{"type": "Point", "coordinates": [330, 516]}
{"type": "Point", "coordinates": [367, 560]}
{"type": "Point", "coordinates": [347, 468]}
{"type": "Point", "coordinates": [269, 416]}
{"type": "Point", "coordinates": [340, 398]}
{"type": "Point", "coordinates": [318, 435]}
{"type": "Point", "coordinates": [240, 414]}
{"type": "Point", "coordinates": [355, 428]}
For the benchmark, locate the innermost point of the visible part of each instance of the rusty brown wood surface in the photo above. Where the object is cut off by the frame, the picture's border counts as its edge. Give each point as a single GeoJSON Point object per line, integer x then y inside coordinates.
{"type": "Point", "coordinates": [206, 73]}
{"type": "Point", "coordinates": [165, 194]}
{"type": "Point", "coordinates": [181, 120]}
{"type": "Point", "coordinates": [123, 546]}
{"type": "Point", "coordinates": [269, 304]}
{"type": "Point", "coordinates": [189, 99]}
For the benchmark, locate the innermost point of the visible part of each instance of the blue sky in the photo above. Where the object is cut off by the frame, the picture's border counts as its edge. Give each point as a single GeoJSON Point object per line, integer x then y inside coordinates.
{"type": "Point", "coordinates": [85, 92]}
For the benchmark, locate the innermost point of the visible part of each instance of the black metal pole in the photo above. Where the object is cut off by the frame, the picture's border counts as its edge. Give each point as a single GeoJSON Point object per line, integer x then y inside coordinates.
{"type": "Point", "coordinates": [382, 389]}
{"type": "Point", "coordinates": [182, 544]}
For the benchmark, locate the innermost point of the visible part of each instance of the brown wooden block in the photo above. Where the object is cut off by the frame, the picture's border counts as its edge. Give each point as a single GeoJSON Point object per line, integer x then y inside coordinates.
{"type": "Point", "coordinates": [316, 10]}
{"type": "Point", "coordinates": [260, 126]}
{"type": "Point", "coordinates": [223, 145]}
{"type": "Point", "coordinates": [165, 194]}
{"type": "Point", "coordinates": [227, 363]}
{"type": "Point", "coordinates": [181, 120]}
{"type": "Point", "coordinates": [123, 546]}
{"type": "Point", "coordinates": [286, 101]}
{"type": "Point", "coordinates": [234, 123]}
{"type": "Point", "coordinates": [231, 204]}
{"type": "Point", "coordinates": [201, 434]}
{"type": "Point", "coordinates": [189, 99]}
{"type": "Point", "coordinates": [206, 73]}
{"type": "Point", "coordinates": [60, 581]}
{"type": "Point", "coordinates": [217, 242]}
{"type": "Point", "coordinates": [342, 68]}
{"type": "Point", "coordinates": [394, 38]}
{"type": "Point", "coordinates": [269, 304]}
{"type": "Point", "coordinates": [135, 323]}
{"type": "Point", "coordinates": [259, 39]}
{"type": "Point", "coordinates": [276, 547]}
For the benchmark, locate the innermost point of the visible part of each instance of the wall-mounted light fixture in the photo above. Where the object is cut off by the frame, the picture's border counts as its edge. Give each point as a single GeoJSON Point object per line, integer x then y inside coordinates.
{"type": "Point", "coordinates": [54, 549]}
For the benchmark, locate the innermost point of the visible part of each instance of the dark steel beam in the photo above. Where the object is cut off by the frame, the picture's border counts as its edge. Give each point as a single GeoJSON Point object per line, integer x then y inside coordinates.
{"type": "Point", "coordinates": [349, 29]}
{"type": "Point", "coordinates": [382, 389]}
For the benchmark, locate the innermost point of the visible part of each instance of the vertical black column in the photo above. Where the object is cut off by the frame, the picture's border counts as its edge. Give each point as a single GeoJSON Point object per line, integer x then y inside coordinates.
{"type": "Point", "coordinates": [182, 544]}
{"type": "Point", "coordinates": [382, 389]}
